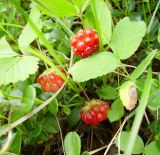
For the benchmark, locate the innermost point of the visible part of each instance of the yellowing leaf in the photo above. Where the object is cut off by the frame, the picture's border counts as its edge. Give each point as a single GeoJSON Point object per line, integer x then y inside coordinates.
{"type": "Point", "coordinates": [128, 95]}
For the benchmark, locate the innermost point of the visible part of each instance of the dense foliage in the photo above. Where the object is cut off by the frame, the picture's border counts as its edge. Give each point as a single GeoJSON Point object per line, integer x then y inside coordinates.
{"type": "Point", "coordinates": [79, 77]}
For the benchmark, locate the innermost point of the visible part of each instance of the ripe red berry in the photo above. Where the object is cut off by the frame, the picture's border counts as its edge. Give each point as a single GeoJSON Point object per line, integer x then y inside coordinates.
{"type": "Point", "coordinates": [51, 81]}
{"type": "Point", "coordinates": [94, 112]}
{"type": "Point", "coordinates": [85, 43]}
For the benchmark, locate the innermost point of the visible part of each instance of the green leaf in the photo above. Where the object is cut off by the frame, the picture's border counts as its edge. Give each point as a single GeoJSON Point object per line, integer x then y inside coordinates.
{"type": "Point", "coordinates": [36, 131]}
{"type": "Point", "coordinates": [5, 49]}
{"type": "Point", "coordinates": [154, 126]}
{"type": "Point", "coordinates": [103, 20]}
{"type": "Point", "coordinates": [116, 111]}
{"type": "Point", "coordinates": [79, 3]}
{"type": "Point", "coordinates": [53, 107]}
{"type": "Point", "coordinates": [28, 35]}
{"type": "Point", "coordinates": [85, 153]}
{"type": "Point", "coordinates": [74, 117]}
{"type": "Point", "coordinates": [16, 144]}
{"type": "Point", "coordinates": [158, 35]}
{"type": "Point", "coordinates": [50, 125]}
{"type": "Point", "coordinates": [142, 66]}
{"type": "Point", "coordinates": [3, 117]}
{"type": "Point", "coordinates": [88, 20]}
{"type": "Point", "coordinates": [27, 101]}
{"type": "Point", "coordinates": [124, 136]}
{"type": "Point", "coordinates": [14, 69]}
{"type": "Point", "coordinates": [28, 97]}
{"type": "Point", "coordinates": [94, 66]}
{"type": "Point", "coordinates": [72, 144]}
{"type": "Point", "coordinates": [61, 8]}
{"type": "Point", "coordinates": [152, 149]}
{"type": "Point", "coordinates": [107, 92]}
{"type": "Point", "coordinates": [153, 101]}
{"type": "Point", "coordinates": [66, 110]}
{"type": "Point", "coordinates": [127, 37]}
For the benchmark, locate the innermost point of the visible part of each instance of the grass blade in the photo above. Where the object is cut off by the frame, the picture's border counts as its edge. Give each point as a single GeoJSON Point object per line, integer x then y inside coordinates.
{"type": "Point", "coordinates": [139, 114]}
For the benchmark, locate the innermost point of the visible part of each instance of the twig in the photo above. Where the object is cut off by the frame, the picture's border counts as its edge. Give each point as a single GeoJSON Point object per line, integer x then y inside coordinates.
{"type": "Point", "coordinates": [97, 150]}
{"type": "Point", "coordinates": [7, 144]}
{"type": "Point", "coordinates": [119, 73]}
{"type": "Point", "coordinates": [60, 134]}
{"type": "Point", "coordinates": [119, 130]}
{"type": "Point", "coordinates": [156, 73]}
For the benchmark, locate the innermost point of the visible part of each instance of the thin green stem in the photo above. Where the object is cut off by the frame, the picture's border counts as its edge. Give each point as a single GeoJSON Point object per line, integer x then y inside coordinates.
{"type": "Point", "coordinates": [84, 92]}
{"type": "Point", "coordinates": [60, 130]}
{"type": "Point", "coordinates": [15, 25]}
{"type": "Point", "coordinates": [127, 8]}
{"type": "Point", "coordinates": [149, 8]}
{"type": "Point", "coordinates": [70, 105]}
{"type": "Point", "coordinates": [20, 97]}
{"type": "Point", "coordinates": [125, 71]}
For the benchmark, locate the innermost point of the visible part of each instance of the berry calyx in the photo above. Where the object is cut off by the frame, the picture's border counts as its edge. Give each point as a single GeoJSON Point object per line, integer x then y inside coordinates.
{"type": "Point", "coordinates": [94, 112]}
{"type": "Point", "coordinates": [50, 80]}
{"type": "Point", "coordinates": [85, 43]}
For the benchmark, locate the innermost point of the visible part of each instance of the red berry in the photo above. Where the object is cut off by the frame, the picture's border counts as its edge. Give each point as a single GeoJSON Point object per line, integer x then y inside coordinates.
{"type": "Point", "coordinates": [85, 42]}
{"type": "Point", "coordinates": [94, 112]}
{"type": "Point", "coordinates": [50, 81]}
{"type": "Point", "coordinates": [81, 46]}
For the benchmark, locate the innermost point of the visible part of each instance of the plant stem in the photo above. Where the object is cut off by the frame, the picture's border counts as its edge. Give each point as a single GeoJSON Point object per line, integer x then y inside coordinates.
{"type": "Point", "coordinates": [139, 113]}
{"type": "Point", "coordinates": [70, 105]}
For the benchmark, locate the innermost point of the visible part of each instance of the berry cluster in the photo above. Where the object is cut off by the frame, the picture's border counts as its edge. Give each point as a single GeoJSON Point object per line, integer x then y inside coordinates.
{"type": "Point", "coordinates": [85, 43]}
{"type": "Point", "coordinates": [94, 112]}
{"type": "Point", "coordinates": [50, 81]}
